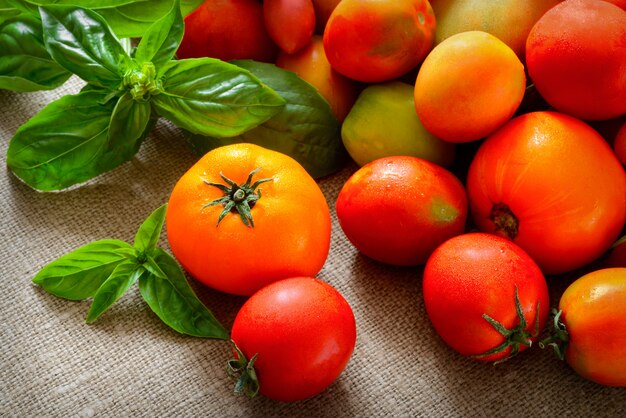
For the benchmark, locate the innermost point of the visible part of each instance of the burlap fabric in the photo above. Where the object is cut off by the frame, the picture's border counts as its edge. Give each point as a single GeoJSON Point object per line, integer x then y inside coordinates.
{"type": "Point", "coordinates": [130, 364]}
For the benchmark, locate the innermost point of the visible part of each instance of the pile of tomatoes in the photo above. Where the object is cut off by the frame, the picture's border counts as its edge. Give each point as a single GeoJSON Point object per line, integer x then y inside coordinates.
{"type": "Point", "coordinates": [538, 188]}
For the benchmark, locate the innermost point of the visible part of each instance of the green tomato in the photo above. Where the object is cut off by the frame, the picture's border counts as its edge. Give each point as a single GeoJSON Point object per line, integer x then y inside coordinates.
{"type": "Point", "coordinates": [383, 123]}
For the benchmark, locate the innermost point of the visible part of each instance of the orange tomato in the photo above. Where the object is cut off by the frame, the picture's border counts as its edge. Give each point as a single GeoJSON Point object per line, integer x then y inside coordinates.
{"type": "Point", "coordinates": [288, 231]}
{"type": "Point", "coordinates": [311, 64]}
{"type": "Point", "coordinates": [593, 312]}
{"type": "Point", "coordinates": [553, 185]}
{"type": "Point", "coordinates": [468, 86]}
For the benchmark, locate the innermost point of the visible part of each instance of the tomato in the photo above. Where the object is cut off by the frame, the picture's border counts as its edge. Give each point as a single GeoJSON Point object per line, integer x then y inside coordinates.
{"type": "Point", "coordinates": [397, 209]}
{"type": "Point", "coordinates": [290, 23]}
{"type": "Point", "coordinates": [382, 122]}
{"type": "Point", "coordinates": [475, 283]}
{"type": "Point", "coordinates": [553, 185]}
{"type": "Point", "coordinates": [311, 64]}
{"type": "Point", "coordinates": [619, 144]}
{"type": "Point", "coordinates": [591, 326]}
{"type": "Point", "coordinates": [373, 40]}
{"type": "Point", "coordinates": [575, 55]}
{"type": "Point", "coordinates": [508, 20]}
{"type": "Point", "coordinates": [227, 30]}
{"type": "Point", "coordinates": [468, 86]}
{"type": "Point", "coordinates": [286, 232]}
{"type": "Point", "coordinates": [302, 332]}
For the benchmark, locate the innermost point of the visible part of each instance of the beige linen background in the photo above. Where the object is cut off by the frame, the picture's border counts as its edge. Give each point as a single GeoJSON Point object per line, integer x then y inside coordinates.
{"type": "Point", "coordinates": [130, 364]}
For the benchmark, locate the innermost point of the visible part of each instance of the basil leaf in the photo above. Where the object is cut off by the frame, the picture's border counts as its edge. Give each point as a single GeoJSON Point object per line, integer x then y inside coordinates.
{"type": "Point", "coordinates": [78, 274]}
{"type": "Point", "coordinates": [66, 143]}
{"type": "Point", "coordinates": [306, 129]}
{"type": "Point", "coordinates": [212, 97]}
{"type": "Point", "coordinates": [25, 64]}
{"type": "Point", "coordinates": [160, 42]}
{"type": "Point", "coordinates": [173, 300]}
{"type": "Point", "coordinates": [120, 280]}
{"type": "Point", "coordinates": [81, 41]}
{"type": "Point", "coordinates": [129, 121]}
{"type": "Point", "coordinates": [149, 232]}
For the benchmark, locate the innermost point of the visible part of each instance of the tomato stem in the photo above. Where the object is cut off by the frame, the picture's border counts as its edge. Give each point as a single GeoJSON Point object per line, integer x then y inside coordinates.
{"type": "Point", "coordinates": [505, 221]}
{"type": "Point", "coordinates": [243, 371]}
{"type": "Point", "coordinates": [238, 198]}
{"type": "Point", "coordinates": [514, 337]}
{"type": "Point", "coordinates": [559, 337]}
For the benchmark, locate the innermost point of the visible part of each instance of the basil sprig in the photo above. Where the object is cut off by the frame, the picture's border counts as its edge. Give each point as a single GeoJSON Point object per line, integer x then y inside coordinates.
{"type": "Point", "coordinates": [104, 270]}
{"type": "Point", "coordinates": [78, 137]}
{"type": "Point", "coordinates": [26, 65]}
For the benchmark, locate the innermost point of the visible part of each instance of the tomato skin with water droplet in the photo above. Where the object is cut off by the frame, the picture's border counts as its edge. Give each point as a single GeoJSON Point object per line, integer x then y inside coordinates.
{"type": "Point", "coordinates": [398, 209]}
{"type": "Point", "coordinates": [475, 274]}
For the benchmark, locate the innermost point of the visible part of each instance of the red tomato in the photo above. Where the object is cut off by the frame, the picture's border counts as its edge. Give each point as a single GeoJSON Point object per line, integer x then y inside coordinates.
{"type": "Point", "coordinates": [286, 232]}
{"type": "Point", "coordinates": [302, 332]}
{"type": "Point", "coordinates": [397, 210]}
{"type": "Point", "coordinates": [290, 23]}
{"type": "Point", "coordinates": [592, 326]}
{"type": "Point", "coordinates": [551, 184]}
{"type": "Point", "coordinates": [227, 30]}
{"type": "Point", "coordinates": [476, 276]}
{"type": "Point", "coordinates": [575, 55]}
{"type": "Point", "coordinates": [374, 41]}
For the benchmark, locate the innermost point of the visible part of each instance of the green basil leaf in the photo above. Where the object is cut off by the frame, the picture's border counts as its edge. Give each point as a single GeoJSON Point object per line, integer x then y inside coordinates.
{"type": "Point", "coordinates": [120, 280]}
{"type": "Point", "coordinates": [160, 42]}
{"type": "Point", "coordinates": [306, 129]}
{"type": "Point", "coordinates": [134, 19]}
{"type": "Point", "coordinates": [66, 143]}
{"type": "Point", "coordinates": [212, 97]}
{"type": "Point", "coordinates": [149, 232]}
{"type": "Point", "coordinates": [129, 121]}
{"type": "Point", "coordinates": [81, 41]}
{"type": "Point", "coordinates": [174, 301]}
{"type": "Point", "coordinates": [25, 64]}
{"type": "Point", "coordinates": [78, 274]}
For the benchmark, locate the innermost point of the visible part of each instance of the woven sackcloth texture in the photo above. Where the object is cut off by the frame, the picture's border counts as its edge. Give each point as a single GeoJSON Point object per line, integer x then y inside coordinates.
{"type": "Point", "coordinates": [128, 363]}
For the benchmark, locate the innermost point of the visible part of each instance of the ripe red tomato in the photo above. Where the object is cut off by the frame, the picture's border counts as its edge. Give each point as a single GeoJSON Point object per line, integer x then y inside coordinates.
{"type": "Point", "coordinates": [302, 332]}
{"type": "Point", "coordinates": [227, 30]}
{"type": "Point", "coordinates": [575, 55]}
{"type": "Point", "coordinates": [397, 210]}
{"type": "Point", "coordinates": [553, 185]}
{"type": "Point", "coordinates": [374, 41]}
{"type": "Point", "coordinates": [290, 23]}
{"type": "Point", "coordinates": [285, 233]}
{"type": "Point", "coordinates": [476, 276]}
{"type": "Point", "coordinates": [590, 329]}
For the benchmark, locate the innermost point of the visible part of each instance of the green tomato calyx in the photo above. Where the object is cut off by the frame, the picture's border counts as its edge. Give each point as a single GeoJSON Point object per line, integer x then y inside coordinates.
{"type": "Point", "coordinates": [242, 370]}
{"type": "Point", "coordinates": [514, 337]}
{"type": "Point", "coordinates": [238, 198]}
{"type": "Point", "coordinates": [559, 338]}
